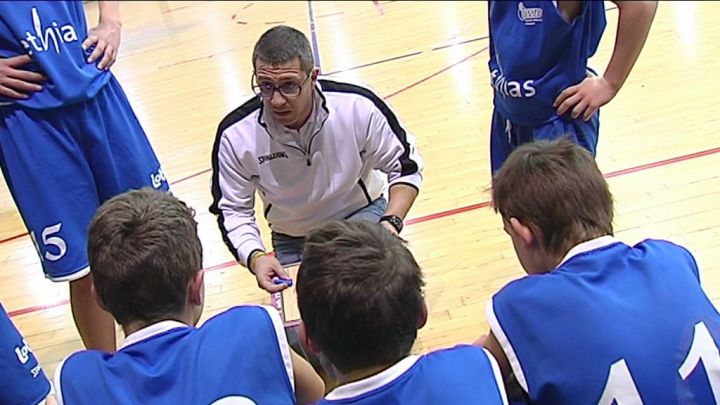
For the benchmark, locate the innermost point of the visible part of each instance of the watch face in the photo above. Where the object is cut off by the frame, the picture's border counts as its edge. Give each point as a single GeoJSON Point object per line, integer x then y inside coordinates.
{"type": "Point", "coordinates": [395, 221]}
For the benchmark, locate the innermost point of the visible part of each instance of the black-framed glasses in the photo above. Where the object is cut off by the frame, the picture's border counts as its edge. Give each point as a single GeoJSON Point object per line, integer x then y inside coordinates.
{"type": "Point", "coordinates": [288, 89]}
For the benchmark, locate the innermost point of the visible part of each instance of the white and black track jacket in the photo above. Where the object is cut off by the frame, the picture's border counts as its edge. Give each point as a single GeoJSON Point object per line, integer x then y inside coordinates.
{"type": "Point", "coordinates": [325, 170]}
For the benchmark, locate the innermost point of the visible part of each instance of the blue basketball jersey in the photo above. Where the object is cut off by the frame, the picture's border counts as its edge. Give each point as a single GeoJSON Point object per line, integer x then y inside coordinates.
{"type": "Point", "coordinates": [240, 355]}
{"type": "Point", "coordinates": [22, 380]}
{"type": "Point", "coordinates": [52, 32]}
{"type": "Point", "coordinates": [535, 54]}
{"type": "Point", "coordinates": [612, 324]}
{"type": "Point", "coordinates": [460, 375]}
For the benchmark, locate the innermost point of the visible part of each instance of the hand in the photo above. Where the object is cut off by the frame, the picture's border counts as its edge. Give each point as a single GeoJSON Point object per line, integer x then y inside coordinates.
{"type": "Point", "coordinates": [17, 83]}
{"type": "Point", "coordinates": [266, 268]}
{"type": "Point", "coordinates": [390, 228]}
{"type": "Point", "coordinates": [585, 98]}
{"type": "Point", "coordinates": [106, 39]}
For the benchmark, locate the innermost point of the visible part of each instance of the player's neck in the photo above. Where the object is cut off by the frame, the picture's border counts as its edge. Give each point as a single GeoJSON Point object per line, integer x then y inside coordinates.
{"type": "Point", "coordinates": [358, 375]}
{"type": "Point", "coordinates": [134, 326]}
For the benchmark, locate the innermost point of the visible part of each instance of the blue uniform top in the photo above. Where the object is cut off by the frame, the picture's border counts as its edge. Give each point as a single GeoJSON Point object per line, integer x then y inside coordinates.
{"type": "Point", "coordinates": [52, 32]}
{"type": "Point", "coordinates": [535, 54]}
{"type": "Point", "coordinates": [22, 379]}
{"type": "Point", "coordinates": [612, 322]}
{"type": "Point", "coordinates": [240, 355]}
{"type": "Point", "coordinates": [460, 375]}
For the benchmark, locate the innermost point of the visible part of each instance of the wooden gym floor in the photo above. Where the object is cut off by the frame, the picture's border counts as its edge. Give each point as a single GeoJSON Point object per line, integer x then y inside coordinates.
{"type": "Point", "coordinates": [185, 65]}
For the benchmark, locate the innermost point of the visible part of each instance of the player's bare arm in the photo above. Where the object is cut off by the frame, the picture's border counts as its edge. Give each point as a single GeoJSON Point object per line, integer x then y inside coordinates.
{"type": "Point", "coordinates": [309, 387]}
{"type": "Point", "coordinates": [15, 82]}
{"type": "Point", "coordinates": [105, 36]}
{"type": "Point", "coordinates": [490, 342]}
{"type": "Point", "coordinates": [585, 98]}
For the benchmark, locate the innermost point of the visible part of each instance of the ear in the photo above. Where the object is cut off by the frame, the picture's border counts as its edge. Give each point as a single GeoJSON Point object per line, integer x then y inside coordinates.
{"type": "Point", "coordinates": [422, 319]}
{"type": "Point", "coordinates": [526, 233]}
{"type": "Point", "coordinates": [196, 288]}
{"type": "Point", "coordinates": [305, 339]}
{"type": "Point", "coordinates": [96, 297]}
{"type": "Point", "coordinates": [314, 74]}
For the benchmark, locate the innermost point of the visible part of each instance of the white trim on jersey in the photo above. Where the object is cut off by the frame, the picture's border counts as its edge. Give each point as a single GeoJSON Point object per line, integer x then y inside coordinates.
{"type": "Point", "coordinates": [282, 342]}
{"type": "Point", "coordinates": [71, 277]}
{"type": "Point", "coordinates": [498, 375]}
{"type": "Point", "coordinates": [56, 382]}
{"type": "Point", "coordinates": [587, 246]}
{"type": "Point", "coordinates": [499, 333]}
{"type": "Point", "coordinates": [150, 331]}
{"type": "Point", "coordinates": [374, 382]}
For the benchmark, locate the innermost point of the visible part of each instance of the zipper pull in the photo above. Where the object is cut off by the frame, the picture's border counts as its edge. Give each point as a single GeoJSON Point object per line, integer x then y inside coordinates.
{"type": "Point", "coordinates": [307, 159]}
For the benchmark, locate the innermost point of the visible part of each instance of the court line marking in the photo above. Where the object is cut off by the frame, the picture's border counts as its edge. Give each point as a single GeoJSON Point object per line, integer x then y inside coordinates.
{"type": "Point", "coordinates": [438, 215]}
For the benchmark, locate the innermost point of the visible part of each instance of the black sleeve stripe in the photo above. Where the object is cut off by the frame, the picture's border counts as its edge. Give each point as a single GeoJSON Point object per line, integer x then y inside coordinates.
{"type": "Point", "coordinates": [235, 116]}
{"type": "Point", "coordinates": [365, 191]}
{"type": "Point", "coordinates": [408, 166]}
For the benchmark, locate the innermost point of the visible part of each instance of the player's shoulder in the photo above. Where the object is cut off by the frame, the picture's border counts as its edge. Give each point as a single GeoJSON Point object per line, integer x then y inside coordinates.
{"type": "Point", "coordinates": [528, 288]}
{"type": "Point", "coordinates": [663, 246]}
{"type": "Point", "coordinates": [461, 352]}
{"type": "Point", "coordinates": [242, 315]}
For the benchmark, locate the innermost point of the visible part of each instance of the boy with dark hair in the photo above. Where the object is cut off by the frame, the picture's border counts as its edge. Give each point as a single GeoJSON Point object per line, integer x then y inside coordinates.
{"type": "Point", "coordinates": [596, 320]}
{"type": "Point", "coordinates": [361, 302]}
{"type": "Point", "coordinates": [146, 258]}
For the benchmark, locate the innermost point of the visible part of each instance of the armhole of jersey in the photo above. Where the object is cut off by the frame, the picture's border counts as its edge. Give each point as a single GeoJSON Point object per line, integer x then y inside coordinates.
{"type": "Point", "coordinates": [498, 375]}
{"type": "Point", "coordinates": [56, 382]}
{"type": "Point", "coordinates": [505, 344]}
{"type": "Point", "coordinates": [282, 342]}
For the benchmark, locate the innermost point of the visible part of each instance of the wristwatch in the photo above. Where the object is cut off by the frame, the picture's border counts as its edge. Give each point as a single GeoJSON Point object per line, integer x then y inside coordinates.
{"type": "Point", "coordinates": [393, 220]}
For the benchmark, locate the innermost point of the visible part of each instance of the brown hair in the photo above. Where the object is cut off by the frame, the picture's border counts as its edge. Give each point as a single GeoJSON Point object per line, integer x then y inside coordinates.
{"type": "Point", "coordinates": [557, 186]}
{"type": "Point", "coordinates": [143, 250]}
{"type": "Point", "coordinates": [359, 294]}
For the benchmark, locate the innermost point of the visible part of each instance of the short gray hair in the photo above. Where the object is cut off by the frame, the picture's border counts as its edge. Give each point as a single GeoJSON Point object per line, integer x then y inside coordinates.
{"type": "Point", "coordinates": [282, 44]}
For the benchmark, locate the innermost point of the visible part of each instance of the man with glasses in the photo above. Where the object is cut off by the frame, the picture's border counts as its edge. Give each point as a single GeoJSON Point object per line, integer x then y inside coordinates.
{"type": "Point", "coordinates": [313, 148]}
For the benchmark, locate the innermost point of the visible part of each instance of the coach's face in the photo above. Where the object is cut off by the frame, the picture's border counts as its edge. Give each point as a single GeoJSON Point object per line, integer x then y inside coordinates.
{"type": "Point", "coordinates": [287, 91]}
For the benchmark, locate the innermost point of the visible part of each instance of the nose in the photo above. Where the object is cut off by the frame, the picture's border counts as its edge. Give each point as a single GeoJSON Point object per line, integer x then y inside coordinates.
{"type": "Point", "coordinates": [277, 99]}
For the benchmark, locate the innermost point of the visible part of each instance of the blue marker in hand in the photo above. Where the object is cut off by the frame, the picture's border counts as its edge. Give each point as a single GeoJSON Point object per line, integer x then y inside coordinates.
{"type": "Point", "coordinates": [279, 280]}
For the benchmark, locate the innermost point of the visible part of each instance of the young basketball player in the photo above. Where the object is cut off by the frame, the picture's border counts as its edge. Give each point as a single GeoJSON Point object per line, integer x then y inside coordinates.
{"type": "Point", "coordinates": [596, 320]}
{"type": "Point", "coordinates": [23, 380]}
{"type": "Point", "coordinates": [360, 298]}
{"type": "Point", "coordinates": [69, 139]}
{"type": "Point", "coordinates": [539, 53]}
{"type": "Point", "coordinates": [146, 258]}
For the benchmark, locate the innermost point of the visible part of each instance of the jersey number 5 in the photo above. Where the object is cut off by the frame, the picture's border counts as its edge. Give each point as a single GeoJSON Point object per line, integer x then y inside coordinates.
{"type": "Point", "coordinates": [55, 246]}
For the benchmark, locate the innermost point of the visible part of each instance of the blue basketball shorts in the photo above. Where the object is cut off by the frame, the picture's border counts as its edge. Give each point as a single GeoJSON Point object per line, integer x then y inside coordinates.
{"type": "Point", "coordinates": [505, 135]}
{"type": "Point", "coordinates": [61, 164]}
{"type": "Point", "coordinates": [23, 381]}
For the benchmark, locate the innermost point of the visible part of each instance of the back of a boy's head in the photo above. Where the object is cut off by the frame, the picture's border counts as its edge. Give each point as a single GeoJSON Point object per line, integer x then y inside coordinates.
{"type": "Point", "coordinates": [557, 186]}
{"type": "Point", "coordinates": [359, 294]}
{"type": "Point", "coordinates": [143, 250]}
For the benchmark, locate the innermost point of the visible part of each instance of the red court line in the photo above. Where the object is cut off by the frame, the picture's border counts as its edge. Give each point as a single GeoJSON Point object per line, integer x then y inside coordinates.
{"type": "Point", "coordinates": [663, 162]}
{"type": "Point", "coordinates": [441, 214]}
{"type": "Point", "coordinates": [435, 74]}
{"type": "Point", "coordinates": [12, 238]}
{"type": "Point", "coordinates": [23, 311]}
{"type": "Point", "coordinates": [190, 176]}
